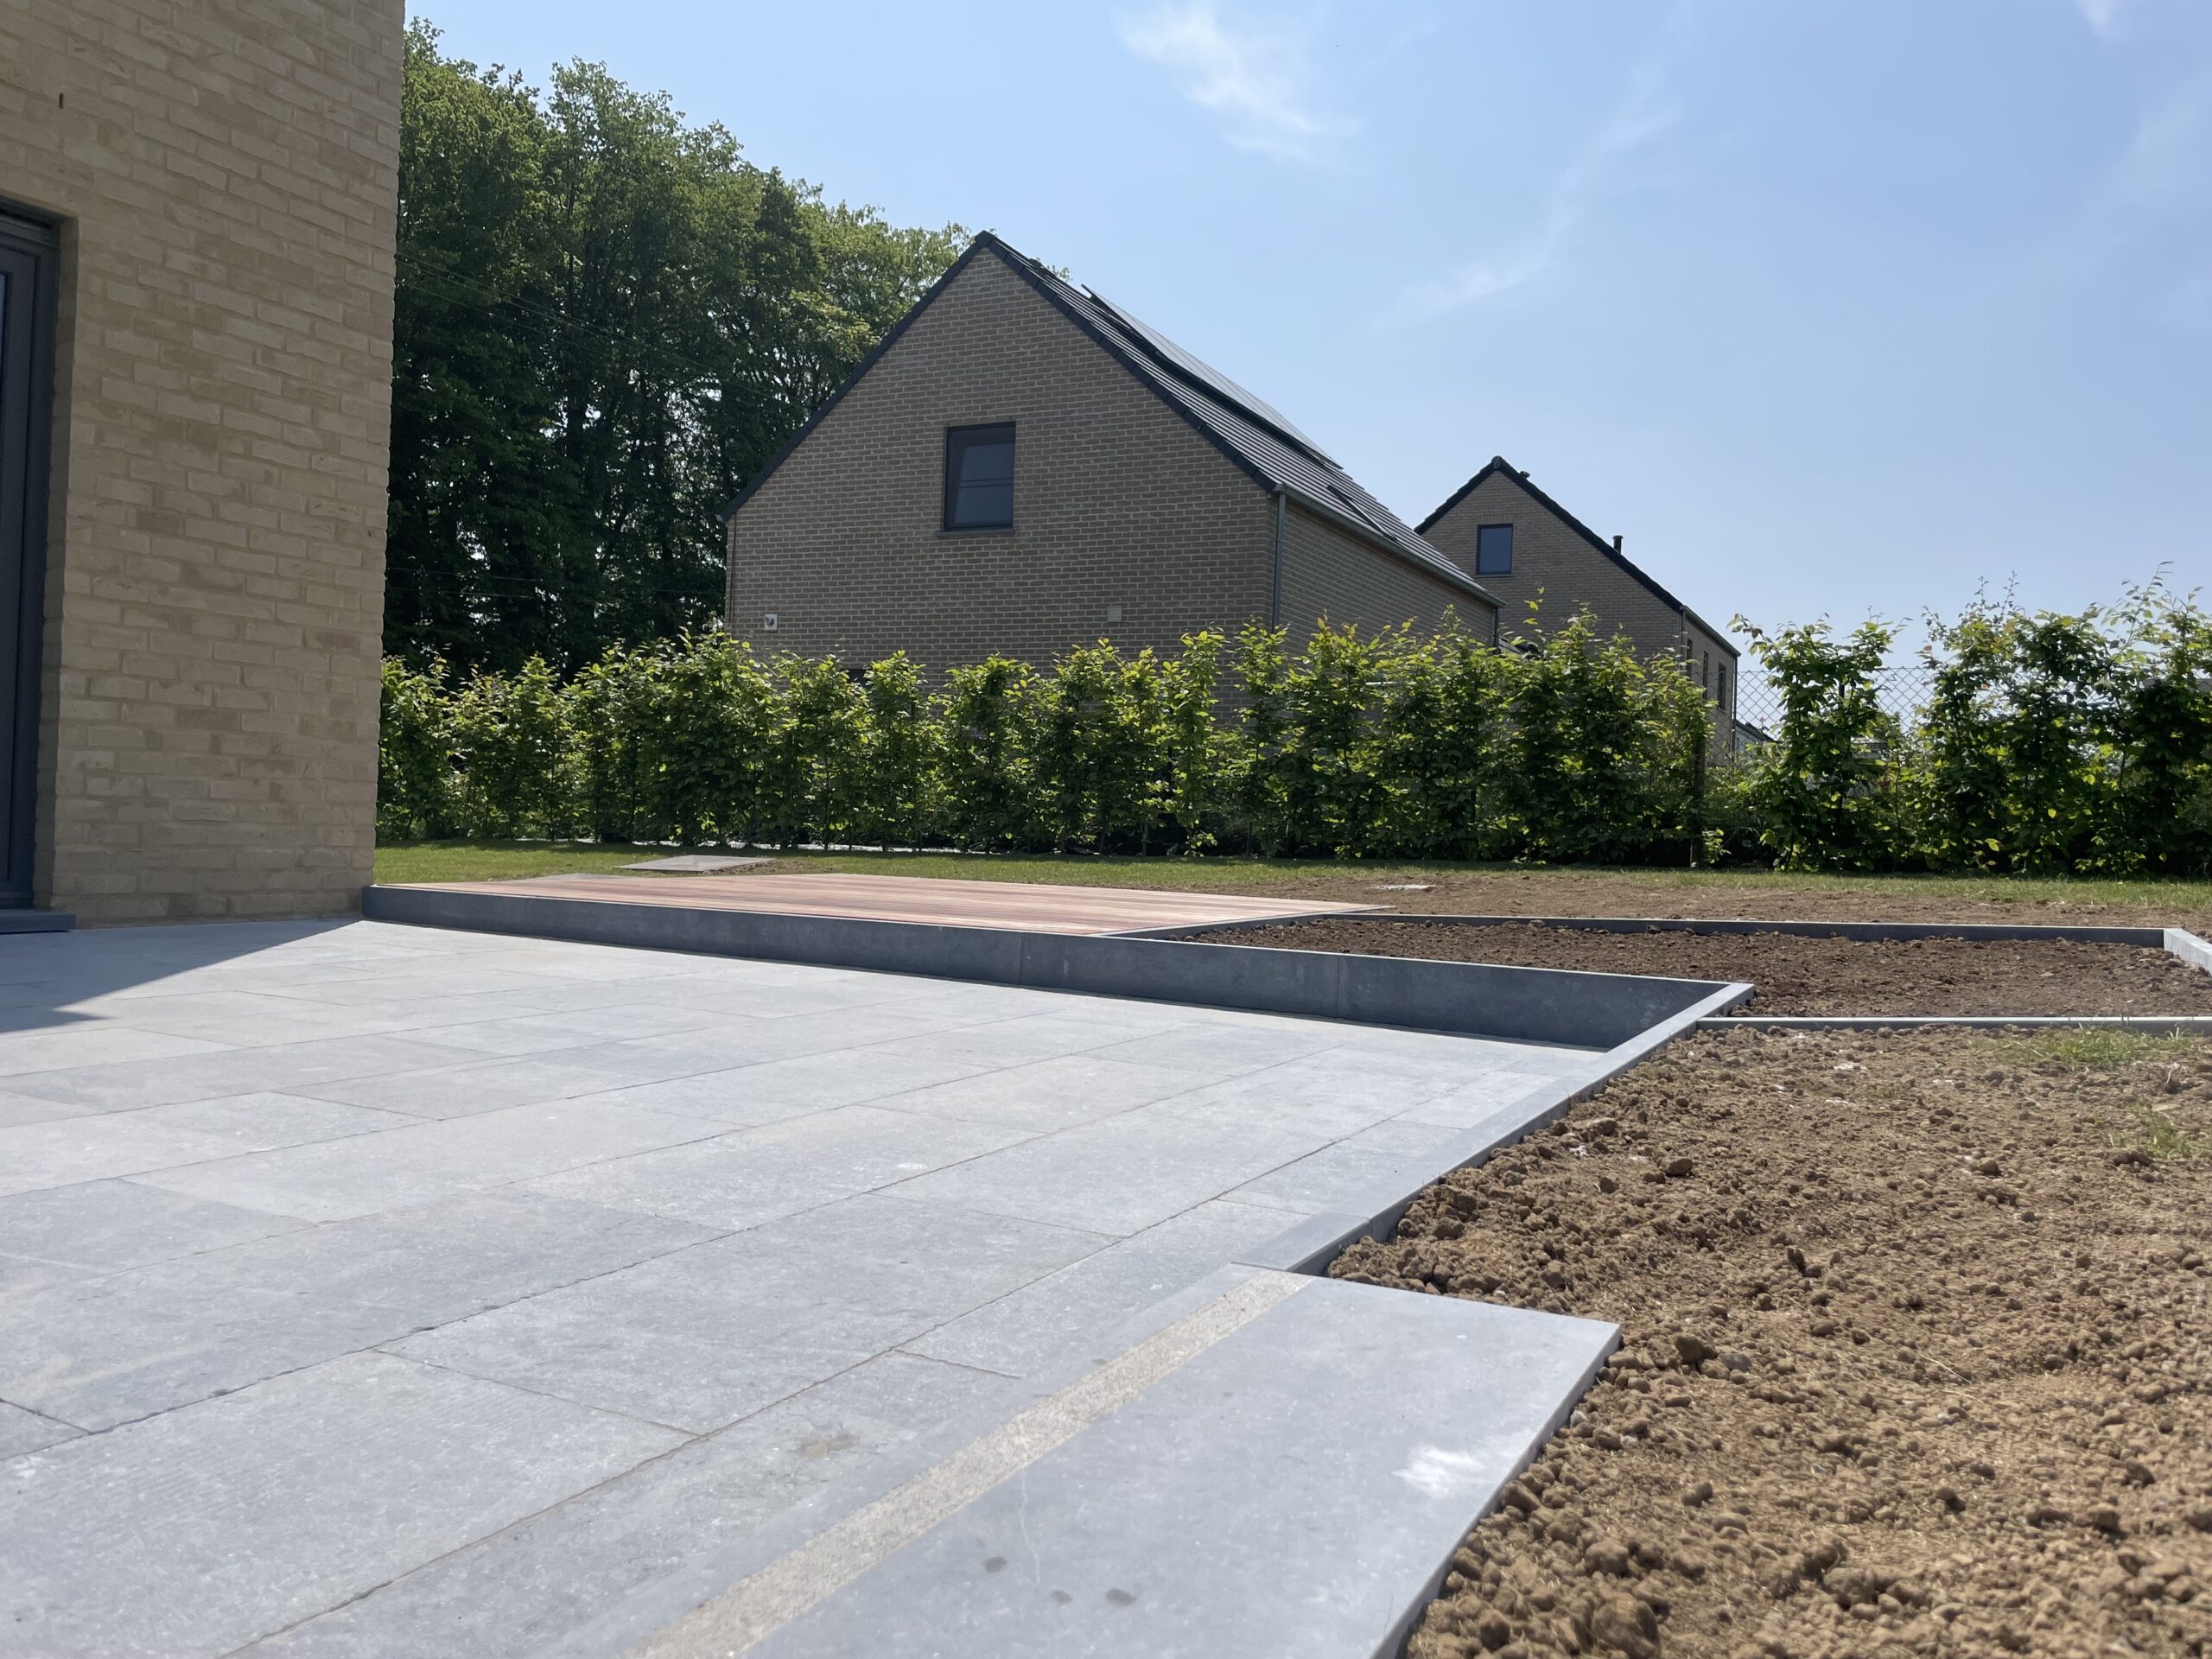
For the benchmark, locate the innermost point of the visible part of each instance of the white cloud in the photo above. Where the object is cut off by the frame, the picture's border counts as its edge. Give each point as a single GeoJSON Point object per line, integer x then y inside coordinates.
{"type": "Point", "coordinates": [1255, 75]}
{"type": "Point", "coordinates": [2170, 157]}
{"type": "Point", "coordinates": [2102, 16]}
{"type": "Point", "coordinates": [1637, 122]}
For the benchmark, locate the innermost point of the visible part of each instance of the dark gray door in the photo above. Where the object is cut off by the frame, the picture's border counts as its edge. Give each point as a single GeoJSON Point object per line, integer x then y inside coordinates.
{"type": "Point", "coordinates": [27, 270]}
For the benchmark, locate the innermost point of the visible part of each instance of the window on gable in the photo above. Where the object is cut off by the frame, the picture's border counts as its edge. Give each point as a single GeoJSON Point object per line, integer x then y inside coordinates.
{"type": "Point", "coordinates": [979, 477]}
{"type": "Point", "coordinates": [1494, 550]}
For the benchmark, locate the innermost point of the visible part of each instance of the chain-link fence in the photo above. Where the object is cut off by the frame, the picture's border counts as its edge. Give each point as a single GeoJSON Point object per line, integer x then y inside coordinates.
{"type": "Point", "coordinates": [1903, 688]}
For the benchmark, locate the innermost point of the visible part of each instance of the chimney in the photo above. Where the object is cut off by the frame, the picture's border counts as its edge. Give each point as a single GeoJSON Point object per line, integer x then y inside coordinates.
{"type": "Point", "coordinates": [1616, 543]}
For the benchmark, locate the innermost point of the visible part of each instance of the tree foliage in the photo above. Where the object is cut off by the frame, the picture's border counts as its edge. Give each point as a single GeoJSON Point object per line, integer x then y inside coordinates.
{"type": "Point", "coordinates": [2050, 744]}
{"type": "Point", "coordinates": [607, 321]}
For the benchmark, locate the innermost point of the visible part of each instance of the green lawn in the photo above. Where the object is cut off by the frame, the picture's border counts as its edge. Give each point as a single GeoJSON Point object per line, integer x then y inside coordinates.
{"type": "Point", "coordinates": [1459, 886]}
{"type": "Point", "coordinates": [506, 861]}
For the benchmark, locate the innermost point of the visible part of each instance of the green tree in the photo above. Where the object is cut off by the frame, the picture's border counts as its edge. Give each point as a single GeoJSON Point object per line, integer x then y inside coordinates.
{"type": "Point", "coordinates": [606, 321]}
{"type": "Point", "coordinates": [1825, 791]}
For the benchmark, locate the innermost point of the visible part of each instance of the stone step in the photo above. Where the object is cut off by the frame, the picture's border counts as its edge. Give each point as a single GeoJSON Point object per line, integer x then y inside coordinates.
{"type": "Point", "coordinates": [1283, 1473]}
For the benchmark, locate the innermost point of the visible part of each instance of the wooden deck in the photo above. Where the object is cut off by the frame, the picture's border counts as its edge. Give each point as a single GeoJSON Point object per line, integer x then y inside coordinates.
{"type": "Point", "coordinates": [1029, 907]}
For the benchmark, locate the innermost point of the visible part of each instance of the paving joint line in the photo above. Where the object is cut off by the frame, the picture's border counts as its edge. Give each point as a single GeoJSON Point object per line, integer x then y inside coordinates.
{"type": "Point", "coordinates": [747, 1613]}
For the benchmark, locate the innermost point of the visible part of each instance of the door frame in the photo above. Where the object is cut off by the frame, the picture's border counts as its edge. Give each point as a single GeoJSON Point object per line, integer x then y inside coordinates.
{"type": "Point", "coordinates": [31, 247]}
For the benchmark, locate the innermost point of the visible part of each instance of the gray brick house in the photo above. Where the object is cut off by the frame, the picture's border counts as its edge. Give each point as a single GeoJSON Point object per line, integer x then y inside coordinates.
{"type": "Point", "coordinates": [1022, 466]}
{"type": "Point", "coordinates": [1522, 544]}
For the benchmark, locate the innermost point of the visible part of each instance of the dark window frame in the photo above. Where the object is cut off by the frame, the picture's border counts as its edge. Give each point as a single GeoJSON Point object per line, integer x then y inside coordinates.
{"type": "Point", "coordinates": [31, 248]}
{"type": "Point", "coordinates": [1483, 569]}
{"type": "Point", "coordinates": [958, 441]}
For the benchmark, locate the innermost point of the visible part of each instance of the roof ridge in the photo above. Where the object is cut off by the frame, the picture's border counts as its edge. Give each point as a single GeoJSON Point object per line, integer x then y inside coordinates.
{"type": "Point", "coordinates": [1500, 464]}
{"type": "Point", "coordinates": [1271, 459]}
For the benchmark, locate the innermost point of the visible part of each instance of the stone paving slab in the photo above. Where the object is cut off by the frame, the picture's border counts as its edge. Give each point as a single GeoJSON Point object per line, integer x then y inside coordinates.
{"type": "Point", "coordinates": [791, 1223]}
{"type": "Point", "coordinates": [746, 1177]}
{"type": "Point", "coordinates": [335, 1181]}
{"type": "Point", "coordinates": [700, 1338]}
{"type": "Point", "coordinates": [518, 1593]}
{"type": "Point", "coordinates": [1218, 1509]}
{"type": "Point", "coordinates": [106, 1084]}
{"type": "Point", "coordinates": [199, 1530]}
{"type": "Point", "coordinates": [1118, 1175]}
{"type": "Point", "coordinates": [105, 1226]}
{"type": "Point", "coordinates": [103, 1351]}
{"type": "Point", "coordinates": [1021, 1334]}
{"type": "Point", "coordinates": [23, 1431]}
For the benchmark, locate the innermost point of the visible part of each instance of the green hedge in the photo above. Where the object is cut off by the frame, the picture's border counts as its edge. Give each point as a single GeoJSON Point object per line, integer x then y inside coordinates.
{"type": "Point", "coordinates": [1360, 746]}
{"type": "Point", "coordinates": [2049, 744]}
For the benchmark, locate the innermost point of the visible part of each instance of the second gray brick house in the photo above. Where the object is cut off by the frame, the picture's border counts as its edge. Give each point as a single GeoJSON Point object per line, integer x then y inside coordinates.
{"type": "Point", "coordinates": [1022, 467]}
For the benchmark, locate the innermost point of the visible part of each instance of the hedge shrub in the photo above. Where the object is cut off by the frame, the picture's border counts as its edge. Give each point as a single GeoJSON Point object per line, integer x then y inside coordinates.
{"type": "Point", "coordinates": [1360, 745]}
{"type": "Point", "coordinates": [2049, 743]}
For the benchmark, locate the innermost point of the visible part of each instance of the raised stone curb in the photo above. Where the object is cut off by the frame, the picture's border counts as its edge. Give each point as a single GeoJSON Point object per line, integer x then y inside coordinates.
{"type": "Point", "coordinates": [2190, 949]}
{"type": "Point", "coordinates": [36, 921]}
{"type": "Point", "coordinates": [1310, 1245]}
{"type": "Point", "coordinates": [1543, 1005]}
{"type": "Point", "coordinates": [2154, 937]}
{"type": "Point", "coordinates": [2153, 1024]}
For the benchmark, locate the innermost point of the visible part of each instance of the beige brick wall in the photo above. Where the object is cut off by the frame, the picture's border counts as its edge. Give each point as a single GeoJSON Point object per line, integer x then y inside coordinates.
{"type": "Point", "coordinates": [1327, 573]}
{"type": "Point", "coordinates": [1712, 666]}
{"type": "Point", "coordinates": [1554, 561]}
{"type": "Point", "coordinates": [1117, 502]}
{"type": "Point", "coordinates": [226, 175]}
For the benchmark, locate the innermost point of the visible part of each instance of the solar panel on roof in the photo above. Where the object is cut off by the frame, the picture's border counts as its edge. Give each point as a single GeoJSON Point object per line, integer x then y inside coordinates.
{"type": "Point", "coordinates": [1174, 357]}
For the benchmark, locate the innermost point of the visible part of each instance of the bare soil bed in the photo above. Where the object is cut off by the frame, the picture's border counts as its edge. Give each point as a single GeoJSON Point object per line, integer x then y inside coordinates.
{"type": "Point", "coordinates": [1797, 975]}
{"type": "Point", "coordinates": [1917, 1352]}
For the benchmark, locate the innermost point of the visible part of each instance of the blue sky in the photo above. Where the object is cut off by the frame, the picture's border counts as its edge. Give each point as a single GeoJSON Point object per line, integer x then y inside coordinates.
{"type": "Point", "coordinates": [1829, 307]}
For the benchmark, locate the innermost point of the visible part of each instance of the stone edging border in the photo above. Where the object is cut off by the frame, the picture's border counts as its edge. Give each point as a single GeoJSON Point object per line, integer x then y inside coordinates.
{"type": "Point", "coordinates": [1544, 1005]}
{"type": "Point", "coordinates": [1310, 1245]}
{"type": "Point", "coordinates": [2176, 942]}
{"type": "Point", "coordinates": [2153, 937]}
{"type": "Point", "coordinates": [2163, 1024]}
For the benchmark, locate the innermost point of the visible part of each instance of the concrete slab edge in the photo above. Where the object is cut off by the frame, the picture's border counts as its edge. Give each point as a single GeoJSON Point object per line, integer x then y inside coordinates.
{"type": "Point", "coordinates": [2152, 936]}
{"type": "Point", "coordinates": [2197, 952]}
{"type": "Point", "coordinates": [1181, 928]}
{"type": "Point", "coordinates": [37, 921]}
{"type": "Point", "coordinates": [1546, 1005]}
{"type": "Point", "coordinates": [1392, 1644]}
{"type": "Point", "coordinates": [2154, 1023]}
{"type": "Point", "coordinates": [1313, 1243]}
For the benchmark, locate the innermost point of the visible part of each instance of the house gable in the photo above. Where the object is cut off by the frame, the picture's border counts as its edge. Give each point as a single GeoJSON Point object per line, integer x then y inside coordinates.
{"type": "Point", "coordinates": [1562, 559]}
{"type": "Point", "coordinates": [1128, 523]}
{"type": "Point", "coordinates": [1145, 508]}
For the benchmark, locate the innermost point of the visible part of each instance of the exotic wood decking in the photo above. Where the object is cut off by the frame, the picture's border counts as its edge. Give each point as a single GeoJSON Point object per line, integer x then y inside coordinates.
{"type": "Point", "coordinates": [1030, 908]}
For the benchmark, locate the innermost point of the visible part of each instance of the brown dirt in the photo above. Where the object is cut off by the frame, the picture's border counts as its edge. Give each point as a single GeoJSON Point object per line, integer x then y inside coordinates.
{"type": "Point", "coordinates": [1914, 1352]}
{"type": "Point", "coordinates": [1638, 892]}
{"type": "Point", "coordinates": [1802, 976]}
